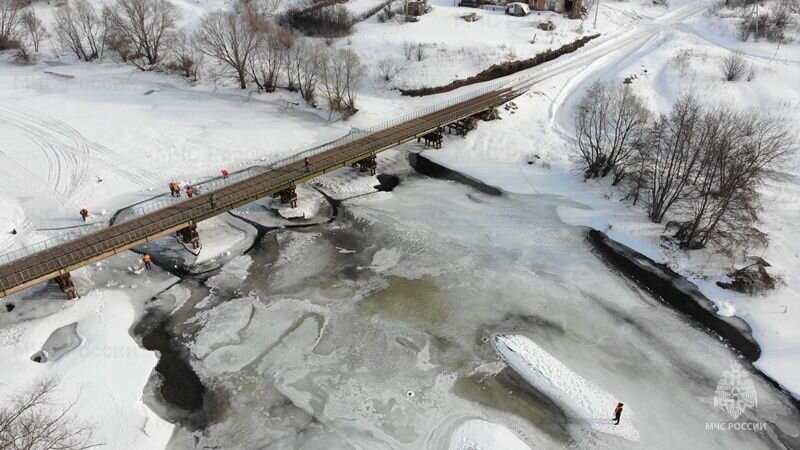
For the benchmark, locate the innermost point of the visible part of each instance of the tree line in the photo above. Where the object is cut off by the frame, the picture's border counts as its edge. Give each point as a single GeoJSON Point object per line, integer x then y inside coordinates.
{"type": "Point", "coordinates": [244, 45]}
{"type": "Point", "coordinates": [697, 168]}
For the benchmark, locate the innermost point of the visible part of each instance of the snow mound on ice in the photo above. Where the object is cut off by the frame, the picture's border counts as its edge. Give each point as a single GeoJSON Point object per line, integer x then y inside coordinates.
{"type": "Point", "coordinates": [221, 325]}
{"type": "Point", "coordinates": [582, 399]}
{"type": "Point", "coordinates": [477, 434]}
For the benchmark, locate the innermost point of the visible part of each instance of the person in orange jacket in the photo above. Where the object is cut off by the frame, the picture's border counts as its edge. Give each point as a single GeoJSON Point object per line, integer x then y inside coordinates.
{"type": "Point", "coordinates": [147, 261]}
{"type": "Point", "coordinates": [617, 413]}
{"type": "Point", "coordinates": [172, 189]}
{"type": "Point", "coordinates": [84, 214]}
{"type": "Point", "coordinates": [189, 191]}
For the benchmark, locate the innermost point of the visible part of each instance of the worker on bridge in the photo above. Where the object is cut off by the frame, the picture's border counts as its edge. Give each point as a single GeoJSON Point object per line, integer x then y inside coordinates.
{"type": "Point", "coordinates": [308, 169]}
{"type": "Point", "coordinates": [189, 191]}
{"type": "Point", "coordinates": [175, 189]}
{"type": "Point", "coordinates": [84, 214]}
{"type": "Point", "coordinates": [224, 173]}
{"type": "Point", "coordinates": [147, 260]}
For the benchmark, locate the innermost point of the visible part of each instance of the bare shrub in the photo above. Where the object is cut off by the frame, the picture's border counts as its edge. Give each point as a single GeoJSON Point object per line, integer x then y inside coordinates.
{"type": "Point", "coordinates": [79, 29]}
{"type": "Point", "coordinates": [228, 39]}
{"type": "Point", "coordinates": [388, 69]}
{"type": "Point", "coordinates": [420, 51]}
{"type": "Point", "coordinates": [9, 23]}
{"type": "Point", "coordinates": [23, 54]}
{"type": "Point", "coordinates": [32, 420]}
{"type": "Point", "coordinates": [408, 49]}
{"type": "Point", "coordinates": [185, 57]}
{"type": "Point", "coordinates": [145, 26]}
{"type": "Point", "coordinates": [733, 66]}
{"type": "Point", "coordinates": [752, 73]}
{"type": "Point", "coordinates": [770, 25]}
{"type": "Point", "coordinates": [681, 60]}
{"type": "Point", "coordinates": [610, 122]}
{"type": "Point", "coordinates": [33, 27]}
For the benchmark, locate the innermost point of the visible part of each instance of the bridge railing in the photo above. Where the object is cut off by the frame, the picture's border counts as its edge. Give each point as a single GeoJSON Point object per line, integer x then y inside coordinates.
{"type": "Point", "coordinates": [217, 183]}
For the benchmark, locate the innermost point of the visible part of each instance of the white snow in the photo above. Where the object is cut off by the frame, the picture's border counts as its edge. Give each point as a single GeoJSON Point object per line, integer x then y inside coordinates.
{"type": "Point", "coordinates": [477, 434]}
{"type": "Point", "coordinates": [589, 403]}
{"type": "Point", "coordinates": [105, 376]}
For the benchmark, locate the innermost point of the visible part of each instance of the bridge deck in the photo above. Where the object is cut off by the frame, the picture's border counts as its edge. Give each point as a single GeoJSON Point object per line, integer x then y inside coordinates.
{"type": "Point", "coordinates": [63, 258]}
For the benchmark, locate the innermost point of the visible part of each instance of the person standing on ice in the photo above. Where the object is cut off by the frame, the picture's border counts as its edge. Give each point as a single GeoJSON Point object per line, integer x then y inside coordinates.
{"type": "Point", "coordinates": [84, 214]}
{"type": "Point", "coordinates": [172, 189]}
{"type": "Point", "coordinates": [307, 164]}
{"type": "Point", "coordinates": [189, 191]}
{"type": "Point", "coordinates": [224, 173]}
{"type": "Point", "coordinates": [147, 261]}
{"type": "Point", "coordinates": [617, 413]}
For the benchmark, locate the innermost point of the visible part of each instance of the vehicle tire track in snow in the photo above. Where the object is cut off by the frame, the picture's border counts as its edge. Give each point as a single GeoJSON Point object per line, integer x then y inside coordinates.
{"type": "Point", "coordinates": [61, 133]}
{"type": "Point", "coordinates": [59, 161]}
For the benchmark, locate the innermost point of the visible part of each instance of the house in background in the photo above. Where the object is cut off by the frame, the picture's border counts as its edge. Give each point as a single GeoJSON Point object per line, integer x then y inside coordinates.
{"type": "Point", "coordinates": [560, 6]}
{"type": "Point", "coordinates": [517, 9]}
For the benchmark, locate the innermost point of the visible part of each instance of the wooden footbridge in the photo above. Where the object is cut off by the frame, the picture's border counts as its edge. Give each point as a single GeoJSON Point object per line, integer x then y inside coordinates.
{"type": "Point", "coordinates": [28, 267]}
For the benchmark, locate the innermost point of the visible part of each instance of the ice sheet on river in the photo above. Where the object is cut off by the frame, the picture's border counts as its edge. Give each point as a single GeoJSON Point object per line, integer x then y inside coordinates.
{"type": "Point", "coordinates": [582, 398]}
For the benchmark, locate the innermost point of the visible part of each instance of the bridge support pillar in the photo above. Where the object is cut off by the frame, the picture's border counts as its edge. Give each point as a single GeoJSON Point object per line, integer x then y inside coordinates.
{"type": "Point", "coordinates": [288, 196]}
{"type": "Point", "coordinates": [433, 139]}
{"type": "Point", "coordinates": [67, 286]}
{"type": "Point", "coordinates": [190, 235]}
{"type": "Point", "coordinates": [369, 164]}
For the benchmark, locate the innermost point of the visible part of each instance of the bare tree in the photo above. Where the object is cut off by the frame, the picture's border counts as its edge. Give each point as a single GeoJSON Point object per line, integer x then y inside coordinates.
{"type": "Point", "coordinates": [610, 124]}
{"type": "Point", "coordinates": [266, 64]}
{"type": "Point", "coordinates": [305, 61]}
{"type": "Point", "coordinates": [80, 29]}
{"type": "Point", "coordinates": [740, 153]}
{"type": "Point", "coordinates": [733, 66]}
{"type": "Point", "coordinates": [354, 75]}
{"type": "Point", "coordinates": [341, 77]}
{"type": "Point", "coordinates": [33, 27]}
{"type": "Point", "coordinates": [9, 21]}
{"type": "Point", "coordinates": [674, 146]}
{"type": "Point", "coordinates": [32, 420]}
{"type": "Point", "coordinates": [388, 69]}
{"type": "Point", "coordinates": [230, 40]}
{"type": "Point", "coordinates": [185, 57]}
{"type": "Point", "coordinates": [287, 40]}
{"type": "Point", "coordinates": [146, 26]}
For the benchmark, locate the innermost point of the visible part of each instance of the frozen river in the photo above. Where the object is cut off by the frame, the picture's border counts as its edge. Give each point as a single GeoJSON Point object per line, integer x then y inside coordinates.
{"type": "Point", "coordinates": [374, 331]}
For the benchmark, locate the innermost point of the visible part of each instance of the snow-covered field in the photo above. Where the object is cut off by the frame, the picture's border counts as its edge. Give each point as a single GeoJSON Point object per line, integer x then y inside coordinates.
{"type": "Point", "coordinates": [102, 136]}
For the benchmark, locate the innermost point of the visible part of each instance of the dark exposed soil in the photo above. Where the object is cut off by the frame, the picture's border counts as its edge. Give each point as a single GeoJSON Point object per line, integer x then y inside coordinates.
{"type": "Point", "coordinates": [503, 69]}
